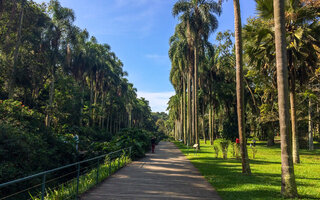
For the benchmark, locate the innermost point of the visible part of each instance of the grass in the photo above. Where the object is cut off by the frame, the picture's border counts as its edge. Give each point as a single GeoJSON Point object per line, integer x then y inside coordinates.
{"type": "Point", "coordinates": [86, 181]}
{"type": "Point", "coordinates": [225, 175]}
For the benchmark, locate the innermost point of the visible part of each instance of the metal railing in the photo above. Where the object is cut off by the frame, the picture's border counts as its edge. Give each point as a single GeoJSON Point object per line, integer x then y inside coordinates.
{"type": "Point", "coordinates": [109, 160]}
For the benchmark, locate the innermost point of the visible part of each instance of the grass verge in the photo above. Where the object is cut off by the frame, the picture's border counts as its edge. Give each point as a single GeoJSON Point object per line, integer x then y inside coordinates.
{"type": "Point", "coordinates": [86, 181]}
{"type": "Point", "coordinates": [265, 182]}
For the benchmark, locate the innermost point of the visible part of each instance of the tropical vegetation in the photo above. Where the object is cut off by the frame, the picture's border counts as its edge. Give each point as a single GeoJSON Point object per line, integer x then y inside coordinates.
{"type": "Point", "coordinates": [260, 81]}
{"type": "Point", "coordinates": [63, 96]}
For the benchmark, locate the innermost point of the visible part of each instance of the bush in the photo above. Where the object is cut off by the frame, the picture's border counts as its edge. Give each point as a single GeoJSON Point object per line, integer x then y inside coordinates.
{"type": "Point", "coordinates": [224, 144]}
{"type": "Point", "coordinates": [254, 151]}
{"type": "Point", "coordinates": [216, 150]}
{"type": "Point", "coordinates": [138, 139]}
{"type": "Point", "coordinates": [237, 150]}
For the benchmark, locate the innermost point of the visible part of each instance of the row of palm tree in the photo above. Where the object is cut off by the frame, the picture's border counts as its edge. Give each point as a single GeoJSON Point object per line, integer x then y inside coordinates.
{"type": "Point", "coordinates": [42, 51]}
{"type": "Point", "coordinates": [202, 75]}
{"type": "Point", "coordinates": [188, 46]}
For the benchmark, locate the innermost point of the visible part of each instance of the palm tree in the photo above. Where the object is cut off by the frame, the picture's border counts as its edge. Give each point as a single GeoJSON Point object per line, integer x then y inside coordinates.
{"type": "Point", "coordinates": [302, 40]}
{"type": "Point", "coordinates": [288, 185]}
{"type": "Point", "coordinates": [77, 65]}
{"type": "Point", "coordinates": [200, 20]}
{"type": "Point", "coordinates": [173, 107]}
{"type": "Point", "coordinates": [240, 90]}
{"type": "Point", "coordinates": [62, 19]}
{"type": "Point", "coordinates": [16, 52]}
{"type": "Point", "coordinates": [178, 55]}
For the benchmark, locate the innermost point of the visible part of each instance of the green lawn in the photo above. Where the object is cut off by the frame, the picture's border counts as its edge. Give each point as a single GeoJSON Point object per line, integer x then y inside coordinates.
{"type": "Point", "coordinates": [265, 181]}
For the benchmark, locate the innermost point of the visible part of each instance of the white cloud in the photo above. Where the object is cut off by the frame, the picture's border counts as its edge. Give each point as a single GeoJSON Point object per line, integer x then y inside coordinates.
{"type": "Point", "coordinates": [157, 100]}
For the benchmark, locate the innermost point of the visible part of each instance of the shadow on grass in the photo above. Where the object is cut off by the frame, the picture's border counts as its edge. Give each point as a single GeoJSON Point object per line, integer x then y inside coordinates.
{"type": "Point", "coordinates": [226, 176]}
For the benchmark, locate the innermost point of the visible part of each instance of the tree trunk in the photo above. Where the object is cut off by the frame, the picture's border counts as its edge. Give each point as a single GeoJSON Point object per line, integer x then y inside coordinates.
{"type": "Point", "coordinates": [91, 101]}
{"type": "Point", "coordinates": [270, 133]}
{"type": "Point", "coordinates": [240, 90]}
{"type": "Point", "coordinates": [310, 125]}
{"type": "Point", "coordinates": [108, 122]}
{"type": "Point", "coordinates": [184, 113]}
{"type": "Point", "coordinates": [102, 107]}
{"type": "Point", "coordinates": [15, 56]}
{"type": "Point", "coordinates": [318, 124]}
{"type": "Point", "coordinates": [95, 99]}
{"type": "Point", "coordinates": [189, 110]}
{"type": "Point", "coordinates": [295, 135]}
{"type": "Point", "coordinates": [81, 105]}
{"type": "Point", "coordinates": [130, 119]}
{"type": "Point", "coordinates": [213, 125]}
{"type": "Point", "coordinates": [210, 125]}
{"type": "Point", "coordinates": [288, 184]}
{"type": "Point", "coordinates": [192, 111]}
{"type": "Point", "coordinates": [203, 131]}
{"type": "Point", "coordinates": [196, 96]}
{"type": "Point", "coordinates": [176, 129]}
{"type": "Point", "coordinates": [181, 117]}
{"type": "Point", "coordinates": [51, 94]}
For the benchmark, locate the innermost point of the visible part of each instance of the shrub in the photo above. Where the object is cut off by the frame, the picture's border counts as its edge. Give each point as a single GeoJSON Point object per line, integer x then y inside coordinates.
{"type": "Point", "coordinates": [224, 144]}
{"type": "Point", "coordinates": [216, 150]}
{"type": "Point", "coordinates": [237, 150]}
{"type": "Point", "coordinates": [233, 149]}
{"type": "Point", "coordinates": [254, 151]}
{"type": "Point", "coordinates": [138, 139]}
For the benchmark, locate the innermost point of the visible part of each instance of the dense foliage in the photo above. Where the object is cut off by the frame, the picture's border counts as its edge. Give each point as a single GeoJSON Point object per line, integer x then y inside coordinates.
{"type": "Point", "coordinates": [217, 106]}
{"type": "Point", "coordinates": [263, 84]}
{"type": "Point", "coordinates": [57, 82]}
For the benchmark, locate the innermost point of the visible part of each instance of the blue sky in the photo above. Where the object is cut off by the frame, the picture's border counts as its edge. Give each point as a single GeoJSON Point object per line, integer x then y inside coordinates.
{"type": "Point", "coordinates": [138, 32]}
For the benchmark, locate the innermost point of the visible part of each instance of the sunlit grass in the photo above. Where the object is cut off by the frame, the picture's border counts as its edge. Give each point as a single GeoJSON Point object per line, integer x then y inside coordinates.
{"type": "Point", "coordinates": [265, 182]}
{"type": "Point", "coordinates": [86, 181]}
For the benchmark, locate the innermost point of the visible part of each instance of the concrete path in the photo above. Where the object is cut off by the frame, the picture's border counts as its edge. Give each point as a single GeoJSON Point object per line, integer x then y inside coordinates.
{"type": "Point", "coordinates": [167, 174]}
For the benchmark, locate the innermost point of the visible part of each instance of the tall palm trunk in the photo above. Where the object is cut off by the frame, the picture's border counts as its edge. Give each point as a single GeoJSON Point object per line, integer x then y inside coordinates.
{"type": "Point", "coordinates": [189, 109]}
{"type": "Point", "coordinates": [288, 184]}
{"type": "Point", "coordinates": [210, 125]}
{"type": "Point", "coordinates": [51, 94]}
{"type": "Point", "coordinates": [202, 125]}
{"type": "Point", "coordinates": [176, 129]}
{"type": "Point", "coordinates": [310, 125]}
{"type": "Point", "coordinates": [91, 102]}
{"type": "Point", "coordinates": [318, 124]}
{"type": "Point", "coordinates": [103, 110]}
{"type": "Point", "coordinates": [94, 117]}
{"type": "Point", "coordinates": [81, 104]}
{"type": "Point", "coordinates": [295, 136]}
{"type": "Point", "coordinates": [129, 119]}
{"type": "Point", "coordinates": [184, 113]}
{"type": "Point", "coordinates": [181, 117]}
{"type": "Point", "coordinates": [240, 90]}
{"type": "Point", "coordinates": [195, 86]}
{"type": "Point", "coordinates": [15, 55]}
{"type": "Point", "coordinates": [108, 122]}
{"type": "Point", "coordinates": [192, 112]}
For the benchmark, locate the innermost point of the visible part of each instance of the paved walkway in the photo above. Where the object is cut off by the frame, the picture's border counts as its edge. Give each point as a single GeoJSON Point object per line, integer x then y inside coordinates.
{"type": "Point", "coordinates": [167, 174]}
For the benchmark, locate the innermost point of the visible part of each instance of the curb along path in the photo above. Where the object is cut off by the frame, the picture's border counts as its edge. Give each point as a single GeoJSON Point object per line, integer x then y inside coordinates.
{"type": "Point", "coordinates": [167, 174]}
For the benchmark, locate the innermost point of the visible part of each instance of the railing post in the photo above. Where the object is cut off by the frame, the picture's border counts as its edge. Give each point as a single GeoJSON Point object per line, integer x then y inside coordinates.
{"type": "Point", "coordinates": [43, 186]}
{"type": "Point", "coordinates": [78, 175]}
{"type": "Point", "coordinates": [130, 152]}
{"type": "Point", "coordinates": [98, 166]}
